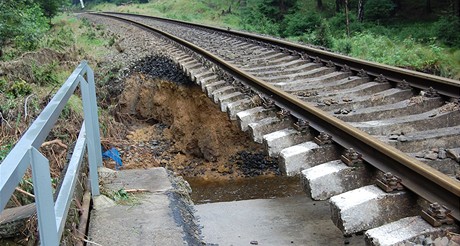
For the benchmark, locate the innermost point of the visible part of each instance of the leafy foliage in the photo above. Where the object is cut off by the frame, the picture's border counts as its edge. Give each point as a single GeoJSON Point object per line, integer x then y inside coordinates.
{"type": "Point", "coordinates": [407, 53]}
{"type": "Point", "coordinates": [323, 36]}
{"type": "Point", "coordinates": [447, 29]}
{"type": "Point", "coordinates": [50, 7]}
{"type": "Point", "coordinates": [3, 85]}
{"type": "Point", "coordinates": [60, 39]}
{"type": "Point", "coordinates": [338, 26]}
{"type": "Point", "coordinates": [275, 9]}
{"type": "Point", "coordinates": [4, 150]}
{"type": "Point", "coordinates": [378, 9]}
{"type": "Point", "coordinates": [298, 23]}
{"type": "Point", "coordinates": [23, 23]}
{"type": "Point", "coordinates": [19, 88]}
{"type": "Point", "coordinates": [254, 20]}
{"type": "Point", "coordinates": [45, 75]}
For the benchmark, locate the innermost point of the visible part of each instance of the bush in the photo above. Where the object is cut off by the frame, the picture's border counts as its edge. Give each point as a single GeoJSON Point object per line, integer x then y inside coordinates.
{"type": "Point", "coordinates": [323, 36]}
{"type": "Point", "coordinates": [62, 39]}
{"type": "Point", "coordinates": [338, 24]}
{"type": "Point", "coordinates": [296, 24]}
{"type": "Point", "coordinates": [5, 150]}
{"type": "Point", "coordinates": [421, 32]}
{"type": "Point", "coordinates": [343, 45]}
{"type": "Point", "coordinates": [378, 9]}
{"type": "Point", "coordinates": [20, 88]}
{"type": "Point", "coordinates": [3, 85]}
{"type": "Point", "coordinates": [447, 29]}
{"type": "Point", "coordinates": [45, 74]}
{"type": "Point", "coordinates": [22, 25]}
{"type": "Point", "coordinates": [253, 20]}
{"type": "Point", "coordinates": [407, 53]}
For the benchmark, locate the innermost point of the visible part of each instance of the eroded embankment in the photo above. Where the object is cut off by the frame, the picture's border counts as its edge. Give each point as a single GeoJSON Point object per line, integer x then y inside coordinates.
{"type": "Point", "coordinates": [173, 124]}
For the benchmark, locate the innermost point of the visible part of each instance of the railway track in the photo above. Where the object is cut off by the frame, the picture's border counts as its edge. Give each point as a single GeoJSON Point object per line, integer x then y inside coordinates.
{"type": "Point", "coordinates": [349, 128]}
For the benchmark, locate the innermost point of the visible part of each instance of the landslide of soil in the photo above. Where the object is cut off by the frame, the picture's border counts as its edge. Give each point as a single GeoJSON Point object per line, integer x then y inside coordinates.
{"type": "Point", "coordinates": [177, 126]}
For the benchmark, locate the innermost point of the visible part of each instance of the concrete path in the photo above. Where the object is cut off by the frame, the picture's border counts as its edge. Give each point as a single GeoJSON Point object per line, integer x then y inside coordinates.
{"type": "Point", "coordinates": [150, 218]}
{"type": "Point", "coordinates": [282, 221]}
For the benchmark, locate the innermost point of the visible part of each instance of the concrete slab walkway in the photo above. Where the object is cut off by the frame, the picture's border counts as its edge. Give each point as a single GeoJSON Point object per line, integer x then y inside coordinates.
{"type": "Point", "coordinates": [151, 218]}
{"type": "Point", "coordinates": [282, 221]}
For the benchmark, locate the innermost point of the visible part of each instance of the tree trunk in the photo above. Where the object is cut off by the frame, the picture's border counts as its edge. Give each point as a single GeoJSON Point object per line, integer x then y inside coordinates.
{"type": "Point", "coordinates": [338, 3]}
{"type": "Point", "coordinates": [319, 4]}
{"type": "Point", "coordinates": [428, 6]}
{"type": "Point", "coordinates": [361, 10]}
{"type": "Point", "coordinates": [398, 4]}
{"type": "Point", "coordinates": [348, 20]}
{"type": "Point", "coordinates": [457, 9]}
{"type": "Point", "coordinates": [282, 7]}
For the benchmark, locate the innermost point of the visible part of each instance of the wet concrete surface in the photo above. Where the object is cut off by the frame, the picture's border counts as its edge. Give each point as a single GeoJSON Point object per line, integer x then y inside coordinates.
{"type": "Point", "coordinates": [263, 210]}
{"type": "Point", "coordinates": [293, 220]}
{"type": "Point", "coordinates": [206, 191]}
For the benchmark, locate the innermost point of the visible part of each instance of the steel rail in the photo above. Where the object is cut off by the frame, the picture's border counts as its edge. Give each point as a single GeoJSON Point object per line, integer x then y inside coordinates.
{"type": "Point", "coordinates": [416, 176]}
{"type": "Point", "coordinates": [445, 86]}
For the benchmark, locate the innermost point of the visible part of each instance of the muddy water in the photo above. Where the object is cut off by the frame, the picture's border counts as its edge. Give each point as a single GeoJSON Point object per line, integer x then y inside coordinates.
{"type": "Point", "coordinates": [260, 187]}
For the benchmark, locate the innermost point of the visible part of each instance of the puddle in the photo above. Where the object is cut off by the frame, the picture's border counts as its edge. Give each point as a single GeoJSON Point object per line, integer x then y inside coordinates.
{"type": "Point", "coordinates": [260, 187]}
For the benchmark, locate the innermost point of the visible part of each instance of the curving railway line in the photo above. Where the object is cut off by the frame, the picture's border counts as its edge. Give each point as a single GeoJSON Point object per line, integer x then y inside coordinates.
{"type": "Point", "coordinates": [321, 112]}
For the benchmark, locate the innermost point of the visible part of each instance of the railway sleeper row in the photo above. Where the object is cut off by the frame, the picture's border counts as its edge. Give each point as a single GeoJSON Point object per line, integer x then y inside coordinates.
{"type": "Point", "coordinates": [391, 112]}
{"type": "Point", "coordinates": [376, 107]}
{"type": "Point", "coordinates": [358, 202]}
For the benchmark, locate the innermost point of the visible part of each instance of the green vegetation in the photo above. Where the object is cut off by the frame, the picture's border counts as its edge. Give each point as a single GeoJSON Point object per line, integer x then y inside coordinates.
{"type": "Point", "coordinates": [38, 52]}
{"type": "Point", "coordinates": [36, 57]}
{"type": "Point", "coordinates": [22, 26]}
{"type": "Point", "coordinates": [45, 75]}
{"type": "Point", "coordinates": [5, 149]}
{"type": "Point", "coordinates": [123, 197]}
{"type": "Point", "coordinates": [19, 88]}
{"type": "Point", "coordinates": [404, 33]}
{"type": "Point", "coordinates": [24, 23]}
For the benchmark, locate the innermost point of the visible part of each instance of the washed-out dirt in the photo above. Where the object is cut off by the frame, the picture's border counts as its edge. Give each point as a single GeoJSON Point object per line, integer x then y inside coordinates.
{"type": "Point", "coordinates": [175, 125]}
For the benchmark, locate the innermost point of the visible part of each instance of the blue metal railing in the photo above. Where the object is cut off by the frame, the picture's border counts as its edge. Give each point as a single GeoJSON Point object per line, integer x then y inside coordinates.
{"type": "Point", "coordinates": [52, 215]}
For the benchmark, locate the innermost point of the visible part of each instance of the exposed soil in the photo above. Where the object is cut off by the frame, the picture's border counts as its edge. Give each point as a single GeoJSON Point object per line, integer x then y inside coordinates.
{"type": "Point", "coordinates": [175, 125]}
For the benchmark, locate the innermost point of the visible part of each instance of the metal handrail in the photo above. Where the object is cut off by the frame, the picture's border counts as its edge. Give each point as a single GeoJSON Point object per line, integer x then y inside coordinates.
{"type": "Point", "coordinates": [52, 215]}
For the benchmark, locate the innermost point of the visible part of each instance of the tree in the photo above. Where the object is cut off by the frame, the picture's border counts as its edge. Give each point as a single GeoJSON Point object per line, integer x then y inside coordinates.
{"type": "Point", "coordinates": [428, 6]}
{"type": "Point", "coordinates": [347, 18]}
{"type": "Point", "coordinates": [276, 9]}
{"type": "Point", "coordinates": [50, 7]}
{"type": "Point", "coordinates": [457, 8]}
{"type": "Point", "coordinates": [379, 9]}
{"type": "Point", "coordinates": [23, 24]}
{"type": "Point", "coordinates": [338, 5]}
{"type": "Point", "coordinates": [319, 4]}
{"type": "Point", "coordinates": [361, 10]}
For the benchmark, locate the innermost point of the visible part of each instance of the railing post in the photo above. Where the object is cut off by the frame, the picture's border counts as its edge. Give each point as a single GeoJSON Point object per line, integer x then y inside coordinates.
{"type": "Point", "coordinates": [43, 198]}
{"type": "Point", "coordinates": [92, 131]}
{"type": "Point", "coordinates": [94, 111]}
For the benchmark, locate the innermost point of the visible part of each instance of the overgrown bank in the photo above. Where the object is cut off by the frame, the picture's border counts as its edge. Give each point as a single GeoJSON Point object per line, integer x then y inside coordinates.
{"type": "Point", "coordinates": [28, 80]}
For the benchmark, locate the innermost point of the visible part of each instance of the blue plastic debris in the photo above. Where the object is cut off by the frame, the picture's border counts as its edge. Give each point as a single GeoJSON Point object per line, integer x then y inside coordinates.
{"type": "Point", "coordinates": [114, 155]}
